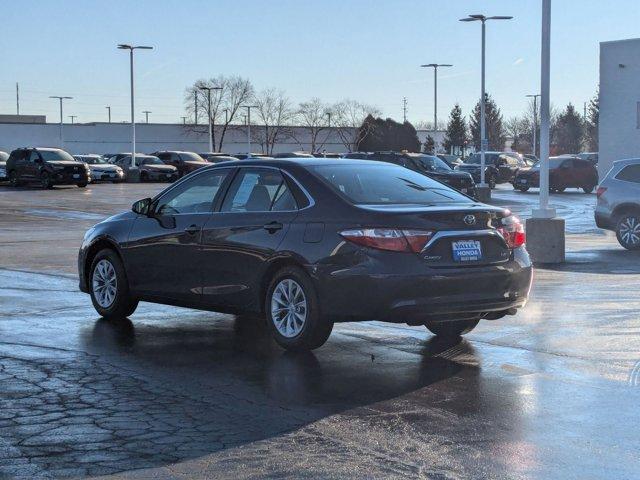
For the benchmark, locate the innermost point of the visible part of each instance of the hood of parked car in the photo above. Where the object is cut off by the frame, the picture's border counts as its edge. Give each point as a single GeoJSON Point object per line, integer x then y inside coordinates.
{"type": "Point", "coordinates": [450, 175]}
{"type": "Point", "coordinates": [195, 164]}
{"type": "Point", "coordinates": [104, 168]}
{"type": "Point", "coordinates": [159, 168]}
{"type": "Point", "coordinates": [64, 163]}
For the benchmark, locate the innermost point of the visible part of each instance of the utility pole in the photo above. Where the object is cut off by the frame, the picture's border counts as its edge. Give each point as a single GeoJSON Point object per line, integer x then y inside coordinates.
{"type": "Point", "coordinates": [404, 109]}
{"type": "Point", "coordinates": [184, 120]}
{"type": "Point", "coordinates": [17, 99]}
{"type": "Point", "coordinates": [61, 117]}
{"type": "Point", "coordinates": [195, 107]}
{"type": "Point", "coordinates": [249, 107]}
{"type": "Point", "coordinates": [535, 119]}
{"type": "Point", "coordinates": [73, 117]}
{"type": "Point", "coordinates": [226, 116]}
{"type": "Point", "coordinates": [435, 90]}
{"type": "Point", "coordinates": [210, 120]}
{"type": "Point", "coordinates": [109, 112]}
{"type": "Point", "coordinates": [147, 112]}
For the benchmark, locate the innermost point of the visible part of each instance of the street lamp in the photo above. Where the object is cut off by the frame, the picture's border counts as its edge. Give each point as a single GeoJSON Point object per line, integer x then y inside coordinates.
{"type": "Point", "coordinates": [483, 138]}
{"type": "Point", "coordinates": [109, 111]}
{"type": "Point", "coordinates": [535, 118]}
{"type": "Point", "coordinates": [249, 107]}
{"type": "Point", "coordinates": [208, 90]}
{"type": "Point", "coordinates": [73, 117]}
{"type": "Point", "coordinates": [61, 133]}
{"type": "Point", "coordinates": [131, 48]}
{"type": "Point", "coordinates": [435, 90]}
{"type": "Point", "coordinates": [147, 112]}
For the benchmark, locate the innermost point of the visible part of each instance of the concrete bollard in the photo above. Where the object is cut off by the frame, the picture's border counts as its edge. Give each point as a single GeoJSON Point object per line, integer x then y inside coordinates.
{"type": "Point", "coordinates": [546, 240]}
{"type": "Point", "coordinates": [483, 194]}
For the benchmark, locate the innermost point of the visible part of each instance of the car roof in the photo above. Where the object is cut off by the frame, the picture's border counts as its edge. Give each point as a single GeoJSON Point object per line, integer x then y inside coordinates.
{"type": "Point", "coordinates": [626, 161]}
{"type": "Point", "coordinates": [298, 161]}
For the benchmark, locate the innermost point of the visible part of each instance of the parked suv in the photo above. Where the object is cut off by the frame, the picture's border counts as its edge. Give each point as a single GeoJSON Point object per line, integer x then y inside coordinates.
{"type": "Point", "coordinates": [152, 169]}
{"type": "Point", "coordinates": [430, 166]}
{"type": "Point", "coordinates": [185, 162]}
{"type": "Point", "coordinates": [500, 167]}
{"type": "Point", "coordinates": [47, 166]}
{"type": "Point", "coordinates": [618, 207]}
{"type": "Point", "coordinates": [564, 172]}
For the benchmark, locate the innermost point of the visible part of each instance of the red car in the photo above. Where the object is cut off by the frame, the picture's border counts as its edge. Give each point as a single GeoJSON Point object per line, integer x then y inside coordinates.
{"type": "Point", "coordinates": [564, 172]}
{"type": "Point", "coordinates": [185, 162]}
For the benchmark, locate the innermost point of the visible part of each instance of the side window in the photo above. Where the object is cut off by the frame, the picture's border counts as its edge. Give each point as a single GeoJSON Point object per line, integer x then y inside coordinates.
{"type": "Point", "coordinates": [580, 163]}
{"type": "Point", "coordinates": [630, 173]}
{"type": "Point", "coordinates": [33, 156]}
{"type": "Point", "coordinates": [567, 164]}
{"type": "Point", "coordinates": [193, 196]}
{"type": "Point", "coordinates": [163, 156]}
{"type": "Point", "coordinates": [259, 190]}
{"type": "Point", "coordinates": [174, 157]}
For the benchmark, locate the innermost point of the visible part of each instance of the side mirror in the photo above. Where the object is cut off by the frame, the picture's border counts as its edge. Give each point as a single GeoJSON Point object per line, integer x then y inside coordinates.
{"type": "Point", "coordinates": [141, 207]}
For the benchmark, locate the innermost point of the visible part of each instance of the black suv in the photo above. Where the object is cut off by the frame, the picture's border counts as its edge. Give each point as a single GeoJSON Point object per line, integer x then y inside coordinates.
{"type": "Point", "coordinates": [47, 166]}
{"type": "Point", "coordinates": [430, 166]}
{"type": "Point", "coordinates": [500, 167]}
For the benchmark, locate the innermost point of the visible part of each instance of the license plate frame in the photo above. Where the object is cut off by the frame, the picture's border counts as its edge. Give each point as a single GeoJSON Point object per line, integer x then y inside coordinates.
{"type": "Point", "coordinates": [465, 251]}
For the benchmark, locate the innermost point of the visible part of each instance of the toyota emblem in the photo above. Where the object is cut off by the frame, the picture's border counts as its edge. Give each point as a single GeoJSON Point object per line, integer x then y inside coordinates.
{"type": "Point", "coordinates": [469, 219]}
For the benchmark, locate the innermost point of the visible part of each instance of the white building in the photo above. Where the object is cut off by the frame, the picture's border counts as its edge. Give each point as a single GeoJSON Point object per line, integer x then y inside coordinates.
{"type": "Point", "coordinates": [619, 123]}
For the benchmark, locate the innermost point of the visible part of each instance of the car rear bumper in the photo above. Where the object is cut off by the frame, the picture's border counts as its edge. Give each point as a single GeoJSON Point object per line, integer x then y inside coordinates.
{"type": "Point", "coordinates": [371, 291]}
{"type": "Point", "coordinates": [161, 176]}
{"type": "Point", "coordinates": [604, 221]}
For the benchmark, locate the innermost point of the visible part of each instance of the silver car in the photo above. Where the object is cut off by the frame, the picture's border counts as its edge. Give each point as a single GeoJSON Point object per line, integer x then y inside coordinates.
{"type": "Point", "coordinates": [618, 207]}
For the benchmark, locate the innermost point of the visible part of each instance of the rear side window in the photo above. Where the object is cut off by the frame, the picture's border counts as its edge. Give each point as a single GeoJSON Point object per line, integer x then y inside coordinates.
{"type": "Point", "coordinates": [630, 173]}
{"type": "Point", "coordinates": [259, 190]}
{"type": "Point", "coordinates": [385, 184]}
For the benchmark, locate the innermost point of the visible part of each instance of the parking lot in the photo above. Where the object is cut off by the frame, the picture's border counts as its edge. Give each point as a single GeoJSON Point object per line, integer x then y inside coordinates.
{"type": "Point", "coordinates": [551, 392]}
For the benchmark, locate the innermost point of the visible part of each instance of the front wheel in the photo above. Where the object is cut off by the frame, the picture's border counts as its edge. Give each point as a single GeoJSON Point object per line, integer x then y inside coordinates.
{"type": "Point", "coordinates": [628, 231]}
{"type": "Point", "coordinates": [292, 310]}
{"type": "Point", "coordinates": [453, 328]}
{"type": "Point", "coordinates": [82, 185]}
{"type": "Point", "coordinates": [523, 189]}
{"type": "Point", "coordinates": [45, 180]}
{"type": "Point", "coordinates": [109, 286]}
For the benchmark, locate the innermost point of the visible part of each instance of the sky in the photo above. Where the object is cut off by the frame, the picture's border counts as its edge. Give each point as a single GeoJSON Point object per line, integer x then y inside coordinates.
{"type": "Point", "coordinates": [369, 51]}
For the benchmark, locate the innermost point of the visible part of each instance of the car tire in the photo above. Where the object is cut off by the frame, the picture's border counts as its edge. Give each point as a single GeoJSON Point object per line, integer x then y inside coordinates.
{"type": "Point", "coordinates": [491, 182]}
{"type": "Point", "coordinates": [14, 179]}
{"type": "Point", "coordinates": [523, 189]}
{"type": "Point", "coordinates": [307, 329]}
{"type": "Point", "coordinates": [82, 185]}
{"type": "Point", "coordinates": [453, 328]}
{"type": "Point", "coordinates": [628, 230]}
{"type": "Point", "coordinates": [588, 188]}
{"type": "Point", "coordinates": [45, 180]}
{"type": "Point", "coordinates": [109, 287]}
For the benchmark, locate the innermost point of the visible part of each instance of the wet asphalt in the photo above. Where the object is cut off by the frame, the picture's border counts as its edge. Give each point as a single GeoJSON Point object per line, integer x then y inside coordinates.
{"type": "Point", "coordinates": [552, 392]}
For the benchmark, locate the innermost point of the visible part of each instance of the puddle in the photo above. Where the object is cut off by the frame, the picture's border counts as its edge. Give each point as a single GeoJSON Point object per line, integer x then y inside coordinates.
{"type": "Point", "coordinates": [65, 214]}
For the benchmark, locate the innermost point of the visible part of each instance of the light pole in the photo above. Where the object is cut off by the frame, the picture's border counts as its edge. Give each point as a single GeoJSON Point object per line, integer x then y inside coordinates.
{"type": "Point", "coordinates": [184, 120]}
{"type": "Point", "coordinates": [131, 48]}
{"type": "Point", "coordinates": [208, 90]}
{"type": "Point", "coordinates": [535, 118]}
{"type": "Point", "coordinates": [249, 107]}
{"type": "Point", "coordinates": [61, 117]}
{"type": "Point", "coordinates": [109, 113]}
{"type": "Point", "coordinates": [73, 117]}
{"type": "Point", "coordinates": [435, 90]}
{"type": "Point", "coordinates": [147, 112]}
{"type": "Point", "coordinates": [483, 138]}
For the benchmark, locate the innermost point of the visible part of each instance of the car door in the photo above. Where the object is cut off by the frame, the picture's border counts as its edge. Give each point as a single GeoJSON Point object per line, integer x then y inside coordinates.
{"type": "Point", "coordinates": [32, 165]}
{"type": "Point", "coordinates": [163, 254]}
{"type": "Point", "coordinates": [566, 174]}
{"type": "Point", "coordinates": [237, 241]}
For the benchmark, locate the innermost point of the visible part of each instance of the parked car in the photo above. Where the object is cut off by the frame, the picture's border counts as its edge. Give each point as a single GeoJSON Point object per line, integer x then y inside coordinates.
{"type": "Point", "coordinates": [4, 156]}
{"type": "Point", "coordinates": [100, 169]}
{"type": "Point", "coordinates": [327, 155]}
{"type": "Point", "coordinates": [500, 167]}
{"type": "Point", "coordinates": [591, 157]}
{"type": "Point", "coordinates": [564, 172]}
{"type": "Point", "coordinates": [246, 156]}
{"type": "Point", "coordinates": [431, 166]}
{"type": "Point", "coordinates": [116, 157]}
{"type": "Point", "coordinates": [309, 242]}
{"type": "Point", "coordinates": [152, 169]}
{"type": "Point", "coordinates": [185, 162]}
{"type": "Point", "coordinates": [356, 155]}
{"type": "Point", "coordinates": [216, 157]}
{"type": "Point", "coordinates": [451, 160]}
{"type": "Point", "coordinates": [47, 166]}
{"type": "Point", "coordinates": [530, 158]}
{"type": "Point", "coordinates": [618, 206]}
{"type": "Point", "coordinates": [293, 155]}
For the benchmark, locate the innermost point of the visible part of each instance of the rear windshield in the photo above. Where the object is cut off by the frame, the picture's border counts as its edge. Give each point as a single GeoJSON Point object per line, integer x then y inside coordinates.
{"type": "Point", "coordinates": [489, 158]}
{"type": "Point", "coordinates": [385, 184]}
{"type": "Point", "coordinates": [191, 157]}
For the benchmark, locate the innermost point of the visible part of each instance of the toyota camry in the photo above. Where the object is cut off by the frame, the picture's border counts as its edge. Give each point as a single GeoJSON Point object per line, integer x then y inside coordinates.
{"type": "Point", "coordinates": [306, 243]}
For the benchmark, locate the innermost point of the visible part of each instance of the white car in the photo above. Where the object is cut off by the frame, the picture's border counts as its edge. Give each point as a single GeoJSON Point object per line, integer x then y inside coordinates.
{"type": "Point", "coordinates": [101, 170]}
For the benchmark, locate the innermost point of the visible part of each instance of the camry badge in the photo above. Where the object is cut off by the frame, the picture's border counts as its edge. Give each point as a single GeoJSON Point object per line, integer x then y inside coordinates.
{"type": "Point", "coordinates": [469, 219]}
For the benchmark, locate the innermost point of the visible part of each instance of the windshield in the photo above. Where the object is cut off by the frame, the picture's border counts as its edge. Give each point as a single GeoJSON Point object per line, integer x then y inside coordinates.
{"type": "Point", "coordinates": [148, 161]}
{"type": "Point", "coordinates": [430, 164]}
{"type": "Point", "coordinates": [93, 160]}
{"type": "Point", "coordinates": [489, 158]}
{"type": "Point", "coordinates": [190, 156]}
{"type": "Point", "coordinates": [385, 184]}
{"type": "Point", "coordinates": [56, 156]}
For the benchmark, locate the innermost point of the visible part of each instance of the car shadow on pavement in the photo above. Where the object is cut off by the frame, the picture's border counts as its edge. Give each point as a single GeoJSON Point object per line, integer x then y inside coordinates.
{"type": "Point", "coordinates": [154, 395]}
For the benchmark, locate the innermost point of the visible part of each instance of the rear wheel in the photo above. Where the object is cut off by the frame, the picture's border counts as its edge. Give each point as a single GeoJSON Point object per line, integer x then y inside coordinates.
{"type": "Point", "coordinates": [109, 286]}
{"type": "Point", "coordinates": [14, 180]}
{"type": "Point", "coordinates": [523, 189]}
{"type": "Point", "coordinates": [453, 328]}
{"type": "Point", "coordinates": [588, 188]}
{"type": "Point", "coordinates": [292, 310]}
{"type": "Point", "coordinates": [628, 231]}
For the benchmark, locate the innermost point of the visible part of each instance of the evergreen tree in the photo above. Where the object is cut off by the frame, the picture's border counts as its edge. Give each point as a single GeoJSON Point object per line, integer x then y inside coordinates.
{"type": "Point", "coordinates": [388, 135]}
{"type": "Point", "coordinates": [456, 135]}
{"type": "Point", "coordinates": [568, 131]}
{"type": "Point", "coordinates": [591, 127]}
{"type": "Point", "coordinates": [429, 145]}
{"type": "Point", "coordinates": [494, 125]}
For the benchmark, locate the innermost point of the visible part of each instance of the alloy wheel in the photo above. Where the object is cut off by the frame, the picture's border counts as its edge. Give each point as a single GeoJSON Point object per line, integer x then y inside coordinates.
{"type": "Point", "coordinates": [629, 231]}
{"type": "Point", "coordinates": [289, 308]}
{"type": "Point", "coordinates": [105, 283]}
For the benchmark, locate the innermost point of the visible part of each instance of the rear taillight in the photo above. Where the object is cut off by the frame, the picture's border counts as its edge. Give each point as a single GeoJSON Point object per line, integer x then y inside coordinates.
{"type": "Point", "coordinates": [600, 191]}
{"type": "Point", "coordinates": [513, 231]}
{"type": "Point", "coordinates": [392, 239]}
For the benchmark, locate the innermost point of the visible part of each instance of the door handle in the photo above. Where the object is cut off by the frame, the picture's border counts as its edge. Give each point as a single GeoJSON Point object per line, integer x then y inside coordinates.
{"type": "Point", "coordinates": [192, 229]}
{"type": "Point", "coordinates": [272, 227]}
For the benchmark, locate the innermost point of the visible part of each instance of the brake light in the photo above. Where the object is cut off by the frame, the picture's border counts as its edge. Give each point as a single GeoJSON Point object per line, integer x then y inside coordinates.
{"type": "Point", "coordinates": [512, 230]}
{"type": "Point", "coordinates": [600, 191]}
{"type": "Point", "coordinates": [391, 239]}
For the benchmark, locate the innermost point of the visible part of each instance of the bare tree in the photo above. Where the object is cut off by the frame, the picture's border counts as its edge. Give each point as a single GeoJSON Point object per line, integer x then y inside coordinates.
{"type": "Point", "coordinates": [313, 117]}
{"type": "Point", "coordinates": [348, 119]}
{"type": "Point", "coordinates": [225, 104]}
{"type": "Point", "coordinates": [274, 112]}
